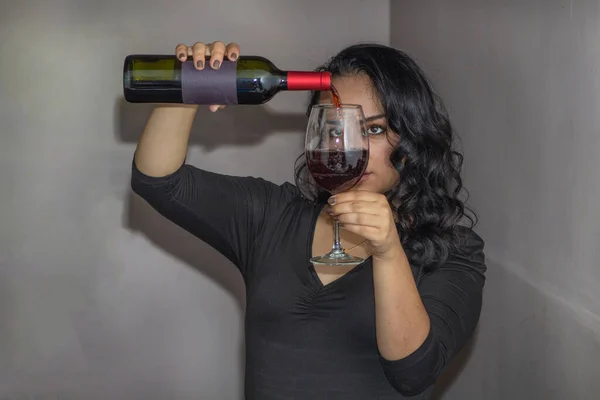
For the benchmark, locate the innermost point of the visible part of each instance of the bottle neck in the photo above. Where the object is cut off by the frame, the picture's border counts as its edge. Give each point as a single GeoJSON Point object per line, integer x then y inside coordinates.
{"type": "Point", "coordinates": [302, 80]}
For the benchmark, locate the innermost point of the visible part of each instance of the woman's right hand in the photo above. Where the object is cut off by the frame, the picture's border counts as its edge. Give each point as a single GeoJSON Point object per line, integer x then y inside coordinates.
{"type": "Point", "coordinates": [201, 51]}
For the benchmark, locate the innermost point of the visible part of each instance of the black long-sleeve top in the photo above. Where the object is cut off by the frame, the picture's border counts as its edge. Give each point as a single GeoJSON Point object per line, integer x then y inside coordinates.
{"type": "Point", "coordinates": [305, 340]}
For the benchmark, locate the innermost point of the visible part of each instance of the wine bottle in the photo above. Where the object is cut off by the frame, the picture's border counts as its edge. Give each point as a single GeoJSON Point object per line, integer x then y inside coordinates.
{"type": "Point", "coordinates": [248, 80]}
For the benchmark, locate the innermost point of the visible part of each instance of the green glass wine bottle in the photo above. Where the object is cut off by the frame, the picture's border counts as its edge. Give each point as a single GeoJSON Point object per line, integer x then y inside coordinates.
{"type": "Point", "coordinates": [248, 80]}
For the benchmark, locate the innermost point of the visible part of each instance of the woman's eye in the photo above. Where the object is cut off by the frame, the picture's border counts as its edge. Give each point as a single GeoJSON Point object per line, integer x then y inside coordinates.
{"type": "Point", "coordinates": [335, 132]}
{"type": "Point", "coordinates": [375, 130]}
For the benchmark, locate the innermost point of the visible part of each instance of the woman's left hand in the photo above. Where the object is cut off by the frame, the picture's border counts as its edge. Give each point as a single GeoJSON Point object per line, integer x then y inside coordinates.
{"type": "Point", "coordinates": [367, 214]}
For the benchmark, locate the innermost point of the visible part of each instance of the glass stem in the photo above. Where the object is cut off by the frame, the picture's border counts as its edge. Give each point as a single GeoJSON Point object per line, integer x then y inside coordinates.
{"type": "Point", "coordinates": [337, 245]}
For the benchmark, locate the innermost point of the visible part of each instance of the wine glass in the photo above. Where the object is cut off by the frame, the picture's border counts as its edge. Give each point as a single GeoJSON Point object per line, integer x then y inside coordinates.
{"type": "Point", "coordinates": [337, 152]}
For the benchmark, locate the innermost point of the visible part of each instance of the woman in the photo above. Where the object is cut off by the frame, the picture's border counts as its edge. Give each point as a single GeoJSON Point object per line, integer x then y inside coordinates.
{"type": "Point", "coordinates": [382, 330]}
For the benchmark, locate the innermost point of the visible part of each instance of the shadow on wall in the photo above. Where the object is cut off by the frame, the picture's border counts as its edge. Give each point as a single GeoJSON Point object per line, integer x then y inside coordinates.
{"type": "Point", "coordinates": [241, 125]}
{"type": "Point", "coordinates": [236, 125]}
{"type": "Point", "coordinates": [454, 369]}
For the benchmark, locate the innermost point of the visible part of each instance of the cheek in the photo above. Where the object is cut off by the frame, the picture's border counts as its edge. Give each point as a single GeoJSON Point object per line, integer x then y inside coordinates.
{"type": "Point", "coordinates": [379, 162]}
{"type": "Point", "coordinates": [379, 154]}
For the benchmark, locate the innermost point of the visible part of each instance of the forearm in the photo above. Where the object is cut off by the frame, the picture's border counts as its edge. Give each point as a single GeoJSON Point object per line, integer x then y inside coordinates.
{"type": "Point", "coordinates": [163, 145]}
{"type": "Point", "coordinates": [402, 321]}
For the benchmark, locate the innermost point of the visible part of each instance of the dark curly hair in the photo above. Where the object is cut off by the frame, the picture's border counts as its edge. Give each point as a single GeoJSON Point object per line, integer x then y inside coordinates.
{"type": "Point", "coordinates": [426, 200]}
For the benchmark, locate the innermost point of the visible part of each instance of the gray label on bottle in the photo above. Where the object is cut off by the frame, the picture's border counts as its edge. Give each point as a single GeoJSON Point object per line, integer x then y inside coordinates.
{"type": "Point", "coordinates": [209, 86]}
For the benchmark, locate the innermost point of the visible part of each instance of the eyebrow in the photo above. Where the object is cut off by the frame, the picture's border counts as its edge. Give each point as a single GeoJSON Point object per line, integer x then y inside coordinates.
{"type": "Point", "coordinates": [370, 119]}
{"type": "Point", "coordinates": [374, 117]}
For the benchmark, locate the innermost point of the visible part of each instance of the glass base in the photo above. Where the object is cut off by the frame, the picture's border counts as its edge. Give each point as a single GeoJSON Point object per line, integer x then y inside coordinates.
{"type": "Point", "coordinates": [337, 258]}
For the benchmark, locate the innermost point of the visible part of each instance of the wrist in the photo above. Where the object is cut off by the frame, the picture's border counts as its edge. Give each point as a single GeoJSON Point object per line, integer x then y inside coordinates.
{"type": "Point", "coordinates": [393, 253]}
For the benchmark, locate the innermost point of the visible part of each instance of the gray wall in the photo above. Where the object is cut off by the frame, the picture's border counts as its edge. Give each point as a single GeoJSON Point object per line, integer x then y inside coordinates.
{"type": "Point", "coordinates": [99, 297]}
{"type": "Point", "coordinates": [522, 81]}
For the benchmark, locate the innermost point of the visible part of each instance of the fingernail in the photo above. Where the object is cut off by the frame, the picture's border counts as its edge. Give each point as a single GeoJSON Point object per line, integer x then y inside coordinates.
{"type": "Point", "coordinates": [181, 56]}
{"type": "Point", "coordinates": [199, 64]}
{"type": "Point", "coordinates": [217, 64]}
{"type": "Point", "coordinates": [331, 200]}
{"type": "Point", "coordinates": [233, 56]}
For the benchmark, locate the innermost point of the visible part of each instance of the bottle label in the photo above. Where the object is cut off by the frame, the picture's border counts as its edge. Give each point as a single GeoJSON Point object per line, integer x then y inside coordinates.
{"type": "Point", "coordinates": [209, 86]}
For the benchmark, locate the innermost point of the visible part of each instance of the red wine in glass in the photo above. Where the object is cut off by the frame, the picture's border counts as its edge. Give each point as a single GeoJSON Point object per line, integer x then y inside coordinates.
{"type": "Point", "coordinates": [337, 170]}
